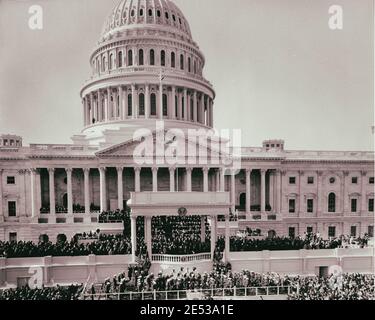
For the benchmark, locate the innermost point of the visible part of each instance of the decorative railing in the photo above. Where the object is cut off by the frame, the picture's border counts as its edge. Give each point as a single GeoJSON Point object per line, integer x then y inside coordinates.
{"type": "Point", "coordinates": [182, 258]}
{"type": "Point", "coordinates": [232, 293]}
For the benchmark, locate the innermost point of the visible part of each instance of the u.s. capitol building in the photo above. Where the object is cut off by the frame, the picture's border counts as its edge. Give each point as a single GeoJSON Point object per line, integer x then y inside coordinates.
{"type": "Point", "coordinates": [146, 68]}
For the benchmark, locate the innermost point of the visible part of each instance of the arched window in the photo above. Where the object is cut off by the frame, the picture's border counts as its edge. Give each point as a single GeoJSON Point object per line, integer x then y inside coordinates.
{"type": "Point", "coordinates": [150, 12]}
{"type": "Point", "coordinates": [141, 12]}
{"type": "Point", "coordinates": [189, 64]}
{"type": "Point", "coordinates": [331, 202]}
{"type": "Point", "coordinates": [141, 104]}
{"type": "Point", "coordinates": [176, 105]}
{"type": "Point", "coordinates": [111, 61]}
{"type": "Point", "coordinates": [167, 15]}
{"type": "Point", "coordinates": [120, 59]}
{"type": "Point", "coordinates": [165, 105]}
{"type": "Point", "coordinates": [195, 67]}
{"type": "Point", "coordinates": [182, 62]}
{"type": "Point", "coordinates": [152, 57]}
{"type": "Point", "coordinates": [140, 57]}
{"type": "Point", "coordinates": [132, 13]}
{"type": "Point", "coordinates": [158, 13]}
{"type": "Point", "coordinates": [130, 105]}
{"type": "Point", "coordinates": [162, 58]}
{"type": "Point", "coordinates": [173, 60]}
{"type": "Point", "coordinates": [130, 57]}
{"type": "Point", "coordinates": [153, 104]}
{"type": "Point", "coordinates": [103, 63]}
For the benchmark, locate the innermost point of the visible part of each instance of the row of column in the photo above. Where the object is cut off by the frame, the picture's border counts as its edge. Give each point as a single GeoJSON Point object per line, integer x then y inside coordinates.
{"type": "Point", "coordinates": [115, 104]}
{"type": "Point", "coordinates": [148, 235]}
{"type": "Point", "coordinates": [137, 183]}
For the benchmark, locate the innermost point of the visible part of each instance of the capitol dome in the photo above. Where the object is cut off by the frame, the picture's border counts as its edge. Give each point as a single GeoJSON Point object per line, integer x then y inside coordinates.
{"type": "Point", "coordinates": [145, 67]}
{"type": "Point", "coordinates": [158, 13]}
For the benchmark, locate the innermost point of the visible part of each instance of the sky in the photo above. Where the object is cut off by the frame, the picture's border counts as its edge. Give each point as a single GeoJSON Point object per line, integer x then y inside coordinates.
{"type": "Point", "coordinates": [278, 70]}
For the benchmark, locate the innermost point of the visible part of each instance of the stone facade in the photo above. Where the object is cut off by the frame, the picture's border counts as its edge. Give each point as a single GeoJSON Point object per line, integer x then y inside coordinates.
{"type": "Point", "coordinates": [147, 68]}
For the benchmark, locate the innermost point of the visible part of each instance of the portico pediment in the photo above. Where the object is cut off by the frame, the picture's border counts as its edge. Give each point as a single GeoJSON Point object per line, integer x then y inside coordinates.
{"type": "Point", "coordinates": [167, 145]}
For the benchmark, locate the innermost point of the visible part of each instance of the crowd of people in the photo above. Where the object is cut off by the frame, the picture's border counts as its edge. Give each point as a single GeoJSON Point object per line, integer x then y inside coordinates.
{"type": "Point", "coordinates": [115, 216]}
{"type": "Point", "coordinates": [309, 241]}
{"type": "Point", "coordinates": [180, 235]}
{"type": "Point", "coordinates": [72, 292]}
{"type": "Point", "coordinates": [342, 287]}
{"type": "Point", "coordinates": [104, 245]}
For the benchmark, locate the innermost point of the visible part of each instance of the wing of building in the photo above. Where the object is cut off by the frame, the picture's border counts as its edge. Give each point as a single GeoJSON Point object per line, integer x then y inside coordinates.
{"type": "Point", "coordinates": [147, 76]}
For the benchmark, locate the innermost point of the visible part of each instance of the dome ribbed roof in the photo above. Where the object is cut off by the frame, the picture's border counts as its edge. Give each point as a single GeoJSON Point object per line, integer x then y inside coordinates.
{"type": "Point", "coordinates": [133, 13]}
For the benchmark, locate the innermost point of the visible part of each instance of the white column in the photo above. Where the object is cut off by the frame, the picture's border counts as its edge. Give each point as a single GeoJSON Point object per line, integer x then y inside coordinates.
{"type": "Point", "coordinates": [92, 115]}
{"type": "Point", "coordinates": [227, 238]}
{"type": "Point", "coordinates": [263, 191]}
{"type": "Point", "coordinates": [233, 191]}
{"type": "Point", "coordinates": [86, 183]}
{"type": "Point", "coordinates": [186, 116]}
{"type": "Point", "coordinates": [172, 187]}
{"type": "Point", "coordinates": [248, 191]}
{"type": "Point", "coordinates": [211, 124]}
{"type": "Point", "coordinates": [201, 110]}
{"type": "Point", "coordinates": [133, 231]}
{"type": "Point", "coordinates": [278, 191]}
{"type": "Point", "coordinates": [217, 182]}
{"type": "Point", "coordinates": [137, 172]}
{"type": "Point", "coordinates": [160, 106]}
{"type": "Point", "coordinates": [134, 111]}
{"type": "Point", "coordinates": [363, 192]}
{"type": "Point", "coordinates": [34, 210]}
{"type": "Point", "coordinates": [99, 105]}
{"type": "Point", "coordinates": [173, 104]}
{"type": "Point", "coordinates": [203, 229]}
{"type": "Point", "coordinates": [52, 201]}
{"type": "Point", "coordinates": [205, 179]}
{"type": "Point", "coordinates": [300, 193]}
{"type": "Point", "coordinates": [213, 235]}
{"type": "Point", "coordinates": [1, 197]}
{"type": "Point", "coordinates": [148, 235]}
{"type": "Point", "coordinates": [69, 172]}
{"type": "Point", "coordinates": [155, 179]}
{"type": "Point", "coordinates": [147, 101]}
{"type": "Point", "coordinates": [180, 106]}
{"type": "Point", "coordinates": [120, 188]}
{"type": "Point", "coordinates": [320, 193]}
{"type": "Point", "coordinates": [222, 179]}
{"type": "Point", "coordinates": [345, 193]}
{"type": "Point", "coordinates": [188, 179]}
{"type": "Point", "coordinates": [85, 116]}
{"type": "Point", "coordinates": [103, 190]}
{"type": "Point", "coordinates": [121, 102]}
{"type": "Point", "coordinates": [109, 104]}
{"type": "Point", "coordinates": [194, 106]}
{"type": "Point", "coordinates": [271, 191]}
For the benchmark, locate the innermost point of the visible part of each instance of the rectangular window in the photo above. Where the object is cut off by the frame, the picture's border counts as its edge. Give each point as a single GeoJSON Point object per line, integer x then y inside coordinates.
{"type": "Point", "coordinates": [354, 205]}
{"type": "Point", "coordinates": [353, 231]}
{"type": "Point", "coordinates": [354, 180]}
{"type": "Point", "coordinates": [371, 180]}
{"type": "Point", "coordinates": [310, 205]}
{"type": "Point", "coordinates": [11, 180]}
{"type": "Point", "coordinates": [370, 231]}
{"type": "Point", "coordinates": [332, 232]}
{"type": "Point", "coordinates": [309, 230]}
{"type": "Point", "coordinates": [292, 180]}
{"type": "Point", "coordinates": [292, 232]}
{"type": "Point", "coordinates": [12, 236]}
{"type": "Point", "coordinates": [370, 205]}
{"type": "Point", "coordinates": [292, 205]}
{"type": "Point", "coordinates": [310, 180]}
{"type": "Point", "coordinates": [12, 212]}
